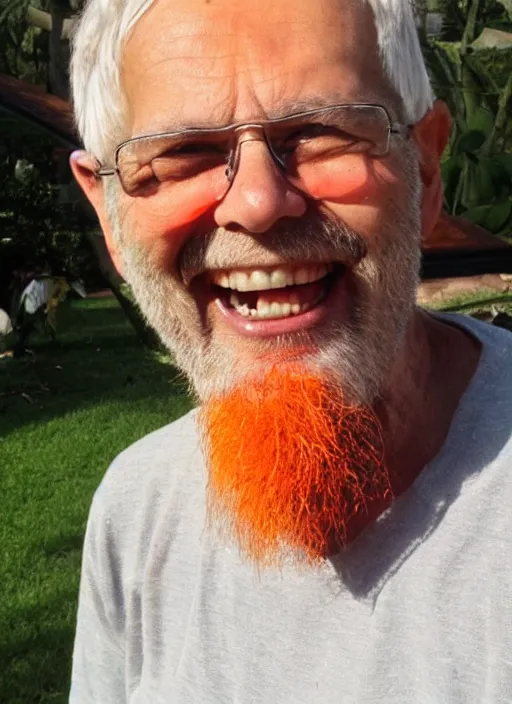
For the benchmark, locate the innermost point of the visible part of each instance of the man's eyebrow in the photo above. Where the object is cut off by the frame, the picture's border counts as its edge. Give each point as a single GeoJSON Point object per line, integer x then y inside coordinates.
{"type": "Point", "coordinates": [316, 102]}
{"type": "Point", "coordinates": [166, 127]}
{"type": "Point", "coordinates": [291, 107]}
{"type": "Point", "coordinates": [281, 109]}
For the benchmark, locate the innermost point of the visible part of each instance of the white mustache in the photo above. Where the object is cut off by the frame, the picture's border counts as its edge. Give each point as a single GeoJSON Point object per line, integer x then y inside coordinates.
{"type": "Point", "coordinates": [318, 240]}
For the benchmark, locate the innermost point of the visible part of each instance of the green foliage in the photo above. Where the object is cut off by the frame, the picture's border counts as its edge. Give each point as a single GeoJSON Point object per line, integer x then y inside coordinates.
{"type": "Point", "coordinates": [476, 82]}
{"type": "Point", "coordinates": [23, 49]}
{"type": "Point", "coordinates": [461, 14]}
{"type": "Point", "coordinates": [36, 232]}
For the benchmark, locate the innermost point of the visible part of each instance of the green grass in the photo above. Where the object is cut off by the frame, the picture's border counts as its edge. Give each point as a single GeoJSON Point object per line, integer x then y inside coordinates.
{"type": "Point", "coordinates": [65, 412]}
{"type": "Point", "coordinates": [470, 303]}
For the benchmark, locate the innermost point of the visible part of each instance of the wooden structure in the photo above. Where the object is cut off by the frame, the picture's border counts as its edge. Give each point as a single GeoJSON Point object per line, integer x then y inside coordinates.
{"type": "Point", "coordinates": [42, 109]}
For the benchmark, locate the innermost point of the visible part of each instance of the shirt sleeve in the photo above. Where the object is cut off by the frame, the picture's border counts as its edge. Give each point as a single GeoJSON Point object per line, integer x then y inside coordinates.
{"type": "Point", "coordinates": [98, 674]}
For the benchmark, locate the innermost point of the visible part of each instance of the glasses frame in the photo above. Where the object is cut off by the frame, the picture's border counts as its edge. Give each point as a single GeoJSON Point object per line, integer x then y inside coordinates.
{"type": "Point", "coordinates": [238, 129]}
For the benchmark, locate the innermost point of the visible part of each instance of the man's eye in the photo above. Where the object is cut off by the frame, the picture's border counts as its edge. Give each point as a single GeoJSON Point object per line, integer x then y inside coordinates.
{"type": "Point", "coordinates": [310, 132]}
{"type": "Point", "coordinates": [317, 135]}
{"type": "Point", "coordinates": [193, 149]}
{"type": "Point", "coordinates": [321, 141]}
{"type": "Point", "coordinates": [187, 161]}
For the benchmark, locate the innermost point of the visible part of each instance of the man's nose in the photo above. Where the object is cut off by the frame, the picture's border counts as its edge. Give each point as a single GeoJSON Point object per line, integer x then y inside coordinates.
{"type": "Point", "coordinates": [260, 194]}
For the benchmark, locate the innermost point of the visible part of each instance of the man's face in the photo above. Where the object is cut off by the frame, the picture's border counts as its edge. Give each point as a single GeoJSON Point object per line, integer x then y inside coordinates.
{"type": "Point", "coordinates": [284, 297]}
{"type": "Point", "coordinates": [353, 258]}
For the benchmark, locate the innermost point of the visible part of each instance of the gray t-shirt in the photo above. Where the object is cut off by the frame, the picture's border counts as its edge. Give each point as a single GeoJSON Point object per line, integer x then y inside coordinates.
{"type": "Point", "coordinates": [417, 611]}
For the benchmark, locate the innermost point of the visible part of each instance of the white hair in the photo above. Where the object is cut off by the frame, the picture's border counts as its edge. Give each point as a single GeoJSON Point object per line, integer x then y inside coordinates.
{"type": "Point", "coordinates": [100, 105]}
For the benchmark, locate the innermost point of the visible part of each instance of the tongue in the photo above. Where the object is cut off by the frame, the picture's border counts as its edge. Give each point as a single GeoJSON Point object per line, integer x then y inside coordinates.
{"type": "Point", "coordinates": [302, 294]}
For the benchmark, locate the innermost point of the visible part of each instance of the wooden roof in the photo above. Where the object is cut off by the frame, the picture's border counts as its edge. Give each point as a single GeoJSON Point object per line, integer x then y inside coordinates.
{"type": "Point", "coordinates": [38, 107]}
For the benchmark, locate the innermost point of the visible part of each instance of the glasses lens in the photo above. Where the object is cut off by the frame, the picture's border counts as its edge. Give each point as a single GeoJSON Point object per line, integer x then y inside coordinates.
{"type": "Point", "coordinates": [147, 163]}
{"type": "Point", "coordinates": [329, 154]}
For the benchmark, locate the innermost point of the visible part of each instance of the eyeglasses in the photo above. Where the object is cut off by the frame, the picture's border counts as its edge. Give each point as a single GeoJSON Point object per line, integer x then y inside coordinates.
{"type": "Point", "coordinates": [316, 150]}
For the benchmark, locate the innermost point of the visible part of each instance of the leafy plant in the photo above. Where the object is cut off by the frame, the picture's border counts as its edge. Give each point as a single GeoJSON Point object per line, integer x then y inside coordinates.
{"type": "Point", "coordinates": [475, 79]}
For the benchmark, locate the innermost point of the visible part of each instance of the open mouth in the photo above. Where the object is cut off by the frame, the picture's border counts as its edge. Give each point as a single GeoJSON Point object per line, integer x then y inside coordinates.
{"type": "Point", "coordinates": [277, 292]}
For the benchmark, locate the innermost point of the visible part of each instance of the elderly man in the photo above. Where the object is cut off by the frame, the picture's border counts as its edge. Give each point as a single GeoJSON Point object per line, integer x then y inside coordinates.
{"type": "Point", "coordinates": [332, 523]}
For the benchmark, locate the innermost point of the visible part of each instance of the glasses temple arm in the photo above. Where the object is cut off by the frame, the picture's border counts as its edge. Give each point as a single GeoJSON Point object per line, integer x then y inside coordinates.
{"type": "Point", "coordinates": [105, 171]}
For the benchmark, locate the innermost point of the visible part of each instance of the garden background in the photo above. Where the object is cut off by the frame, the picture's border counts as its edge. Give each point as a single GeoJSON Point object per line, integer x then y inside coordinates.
{"type": "Point", "coordinates": [74, 395]}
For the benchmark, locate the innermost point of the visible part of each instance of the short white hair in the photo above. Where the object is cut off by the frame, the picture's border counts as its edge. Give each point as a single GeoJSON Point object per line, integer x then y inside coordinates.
{"type": "Point", "coordinates": [99, 102]}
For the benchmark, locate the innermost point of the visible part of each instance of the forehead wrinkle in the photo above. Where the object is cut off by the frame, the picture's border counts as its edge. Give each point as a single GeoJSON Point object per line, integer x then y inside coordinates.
{"type": "Point", "coordinates": [194, 59]}
{"type": "Point", "coordinates": [193, 41]}
{"type": "Point", "coordinates": [176, 123]}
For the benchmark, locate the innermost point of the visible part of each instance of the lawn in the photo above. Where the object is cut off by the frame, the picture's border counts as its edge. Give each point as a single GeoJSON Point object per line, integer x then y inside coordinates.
{"type": "Point", "coordinates": [479, 303]}
{"type": "Point", "coordinates": [65, 412]}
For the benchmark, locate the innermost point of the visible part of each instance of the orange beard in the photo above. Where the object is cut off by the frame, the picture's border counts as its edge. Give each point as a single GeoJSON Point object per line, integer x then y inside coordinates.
{"type": "Point", "coordinates": [291, 466]}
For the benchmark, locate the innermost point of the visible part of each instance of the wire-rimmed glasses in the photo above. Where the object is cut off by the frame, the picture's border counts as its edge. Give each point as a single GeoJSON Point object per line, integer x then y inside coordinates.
{"type": "Point", "coordinates": [314, 150]}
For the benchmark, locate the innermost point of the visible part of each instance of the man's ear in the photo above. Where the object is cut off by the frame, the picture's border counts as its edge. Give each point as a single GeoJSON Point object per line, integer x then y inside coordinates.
{"type": "Point", "coordinates": [431, 135]}
{"type": "Point", "coordinates": [85, 167]}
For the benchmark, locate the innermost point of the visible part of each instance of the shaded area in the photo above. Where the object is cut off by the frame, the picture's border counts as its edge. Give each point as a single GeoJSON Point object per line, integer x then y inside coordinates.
{"type": "Point", "coordinates": [96, 357]}
{"type": "Point", "coordinates": [34, 668]}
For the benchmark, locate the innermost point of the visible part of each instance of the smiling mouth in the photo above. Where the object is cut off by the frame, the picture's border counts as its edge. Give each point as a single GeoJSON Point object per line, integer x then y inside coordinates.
{"type": "Point", "coordinates": [276, 292]}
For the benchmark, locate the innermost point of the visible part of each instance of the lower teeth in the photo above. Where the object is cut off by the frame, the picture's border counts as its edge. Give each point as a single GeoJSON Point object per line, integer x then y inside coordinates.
{"type": "Point", "coordinates": [269, 311]}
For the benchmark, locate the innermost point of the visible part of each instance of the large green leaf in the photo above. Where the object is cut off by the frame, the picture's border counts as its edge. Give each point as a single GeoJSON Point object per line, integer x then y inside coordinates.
{"type": "Point", "coordinates": [478, 186]}
{"type": "Point", "coordinates": [477, 214]}
{"type": "Point", "coordinates": [492, 217]}
{"type": "Point", "coordinates": [451, 171]}
{"type": "Point", "coordinates": [482, 120]}
{"type": "Point", "coordinates": [470, 141]}
{"type": "Point", "coordinates": [505, 161]}
{"type": "Point", "coordinates": [443, 63]}
{"type": "Point", "coordinates": [499, 173]}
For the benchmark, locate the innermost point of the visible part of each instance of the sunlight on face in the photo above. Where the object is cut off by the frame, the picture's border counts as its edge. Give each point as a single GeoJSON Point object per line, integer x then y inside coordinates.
{"type": "Point", "coordinates": [199, 64]}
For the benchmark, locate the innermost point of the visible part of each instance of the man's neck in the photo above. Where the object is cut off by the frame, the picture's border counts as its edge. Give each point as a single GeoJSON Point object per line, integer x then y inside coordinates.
{"type": "Point", "coordinates": [432, 372]}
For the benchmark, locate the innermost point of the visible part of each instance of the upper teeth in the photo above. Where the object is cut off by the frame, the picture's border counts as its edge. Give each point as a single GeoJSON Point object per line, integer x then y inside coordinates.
{"type": "Point", "coordinates": [265, 279]}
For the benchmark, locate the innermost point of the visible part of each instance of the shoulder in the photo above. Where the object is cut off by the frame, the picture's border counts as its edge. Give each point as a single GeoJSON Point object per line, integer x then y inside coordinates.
{"type": "Point", "coordinates": [494, 370]}
{"type": "Point", "coordinates": [156, 478]}
{"type": "Point", "coordinates": [488, 398]}
{"type": "Point", "coordinates": [155, 457]}
{"type": "Point", "coordinates": [486, 333]}
{"type": "Point", "coordinates": [480, 437]}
